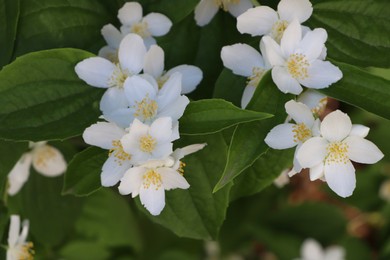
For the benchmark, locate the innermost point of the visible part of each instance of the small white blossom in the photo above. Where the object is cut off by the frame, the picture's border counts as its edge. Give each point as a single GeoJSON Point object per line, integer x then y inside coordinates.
{"type": "Point", "coordinates": [283, 179]}
{"type": "Point", "coordinates": [18, 247]}
{"type": "Point", "coordinates": [314, 100]}
{"type": "Point", "coordinates": [113, 38]}
{"type": "Point", "coordinates": [45, 159]}
{"type": "Point", "coordinates": [151, 179]}
{"type": "Point", "coordinates": [297, 61]}
{"type": "Point", "coordinates": [206, 9]}
{"type": "Point", "coordinates": [312, 250]}
{"type": "Point", "coordinates": [288, 135]}
{"type": "Point", "coordinates": [263, 20]}
{"type": "Point", "coordinates": [330, 155]}
{"type": "Point", "coordinates": [245, 61]}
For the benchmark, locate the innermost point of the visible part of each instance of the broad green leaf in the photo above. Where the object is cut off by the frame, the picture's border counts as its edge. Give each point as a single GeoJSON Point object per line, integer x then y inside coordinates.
{"type": "Point", "coordinates": [230, 87]}
{"type": "Point", "coordinates": [197, 212]}
{"type": "Point", "coordinates": [213, 115]}
{"type": "Point", "coordinates": [82, 177]}
{"type": "Point", "coordinates": [362, 39]}
{"type": "Point", "coordinates": [248, 139]}
{"type": "Point", "coordinates": [107, 219]}
{"type": "Point", "coordinates": [42, 98]}
{"type": "Point", "coordinates": [48, 24]}
{"type": "Point", "coordinates": [9, 16]}
{"type": "Point", "coordinates": [10, 153]}
{"type": "Point", "coordinates": [361, 89]}
{"type": "Point", "coordinates": [176, 10]}
{"type": "Point", "coordinates": [81, 250]}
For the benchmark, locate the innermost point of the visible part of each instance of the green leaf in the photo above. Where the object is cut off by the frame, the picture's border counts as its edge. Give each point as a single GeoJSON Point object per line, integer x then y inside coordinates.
{"type": "Point", "coordinates": [9, 16]}
{"type": "Point", "coordinates": [42, 98]}
{"type": "Point", "coordinates": [213, 115]}
{"type": "Point", "coordinates": [230, 87]}
{"type": "Point", "coordinates": [197, 212]}
{"type": "Point", "coordinates": [48, 24]}
{"type": "Point", "coordinates": [248, 139]}
{"type": "Point", "coordinates": [81, 250]}
{"type": "Point", "coordinates": [361, 89]}
{"type": "Point", "coordinates": [107, 219]}
{"type": "Point", "coordinates": [82, 177]}
{"type": "Point", "coordinates": [362, 39]}
{"type": "Point", "coordinates": [176, 10]}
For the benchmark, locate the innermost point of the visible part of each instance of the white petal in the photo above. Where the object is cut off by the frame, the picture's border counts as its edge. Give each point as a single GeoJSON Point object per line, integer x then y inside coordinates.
{"type": "Point", "coordinates": [137, 88]}
{"type": "Point", "coordinates": [179, 153]}
{"type": "Point", "coordinates": [109, 53]}
{"type": "Point", "coordinates": [267, 64]}
{"type": "Point", "coordinates": [158, 24]}
{"type": "Point", "coordinates": [312, 152]}
{"type": "Point", "coordinates": [300, 113]}
{"type": "Point", "coordinates": [281, 137]}
{"type": "Point", "coordinates": [131, 53]}
{"type": "Point", "coordinates": [336, 126]}
{"type": "Point", "coordinates": [241, 59]}
{"type": "Point", "coordinates": [359, 130]}
{"type": "Point", "coordinates": [113, 170]}
{"type": "Point", "coordinates": [131, 181]}
{"type": "Point", "coordinates": [150, 79]}
{"type": "Point", "coordinates": [240, 7]}
{"type": "Point", "coordinates": [49, 161]}
{"type": "Point", "coordinates": [190, 77]}
{"type": "Point", "coordinates": [162, 150]}
{"type": "Point", "coordinates": [171, 179]}
{"type": "Point", "coordinates": [341, 178]}
{"type": "Point", "coordinates": [149, 42]}
{"type": "Point", "coordinates": [273, 53]}
{"type": "Point", "coordinates": [19, 174]}
{"type": "Point", "coordinates": [112, 35]}
{"type": "Point", "coordinates": [310, 98]}
{"type": "Point", "coordinates": [175, 110]}
{"type": "Point", "coordinates": [14, 228]}
{"type": "Point", "coordinates": [115, 106]}
{"type": "Point", "coordinates": [334, 253]}
{"type": "Point", "coordinates": [316, 172]}
{"type": "Point", "coordinates": [170, 91]}
{"type": "Point", "coordinates": [205, 11]}
{"type": "Point", "coordinates": [321, 75]}
{"type": "Point", "coordinates": [130, 13]}
{"type": "Point", "coordinates": [257, 21]}
{"type": "Point", "coordinates": [247, 95]}
{"type": "Point", "coordinates": [312, 44]}
{"type": "Point", "coordinates": [96, 71]}
{"type": "Point", "coordinates": [153, 199]}
{"type": "Point", "coordinates": [291, 38]}
{"type": "Point", "coordinates": [130, 141]}
{"type": "Point", "coordinates": [102, 134]}
{"type": "Point", "coordinates": [363, 151]}
{"type": "Point", "coordinates": [24, 233]}
{"type": "Point", "coordinates": [161, 129]}
{"type": "Point", "coordinates": [311, 250]}
{"type": "Point", "coordinates": [285, 82]}
{"type": "Point", "coordinates": [154, 61]}
{"type": "Point", "coordinates": [298, 9]}
{"type": "Point", "coordinates": [315, 130]}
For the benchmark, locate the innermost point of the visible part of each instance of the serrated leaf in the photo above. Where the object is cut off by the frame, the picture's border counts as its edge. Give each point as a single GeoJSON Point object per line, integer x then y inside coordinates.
{"type": "Point", "coordinates": [361, 89]}
{"type": "Point", "coordinates": [42, 98]}
{"type": "Point", "coordinates": [213, 115]}
{"type": "Point", "coordinates": [82, 177]}
{"type": "Point", "coordinates": [9, 16]}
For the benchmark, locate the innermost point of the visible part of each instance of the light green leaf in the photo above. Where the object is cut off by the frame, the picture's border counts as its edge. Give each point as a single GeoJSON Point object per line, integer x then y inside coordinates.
{"type": "Point", "coordinates": [362, 39]}
{"type": "Point", "coordinates": [213, 115]}
{"type": "Point", "coordinates": [82, 177]}
{"type": "Point", "coordinates": [42, 98]}
{"type": "Point", "coordinates": [9, 17]}
{"type": "Point", "coordinates": [248, 139]}
{"type": "Point", "coordinates": [361, 89]}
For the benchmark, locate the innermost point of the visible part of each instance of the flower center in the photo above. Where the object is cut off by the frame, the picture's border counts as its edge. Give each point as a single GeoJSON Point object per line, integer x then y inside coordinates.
{"type": "Point", "coordinates": [337, 153]}
{"type": "Point", "coordinates": [141, 29]}
{"type": "Point", "coordinates": [152, 178]}
{"type": "Point", "coordinates": [224, 4]}
{"type": "Point", "coordinates": [278, 29]}
{"type": "Point", "coordinates": [24, 251]}
{"type": "Point", "coordinates": [181, 168]}
{"type": "Point", "coordinates": [301, 133]}
{"type": "Point", "coordinates": [118, 77]}
{"type": "Point", "coordinates": [44, 154]}
{"type": "Point", "coordinates": [147, 143]}
{"type": "Point", "coordinates": [320, 108]}
{"type": "Point", "coordinates": [146, 109]}
{"type": "Point", "coordinates": [161, 81]}
{"type": "Point", "coordinates": [297, 65]}
{"type": "Point", "coordinates": [254, 79]}
{"type": "Point", "coordinates": [118, 152]}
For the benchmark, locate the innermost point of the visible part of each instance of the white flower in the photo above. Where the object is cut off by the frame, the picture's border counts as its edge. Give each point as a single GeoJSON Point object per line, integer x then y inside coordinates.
{"type": "Point", "coordinates": [288, 135]}
{"type": "Point", "coordinates": [113, 38]}
{"type": "Point", "coordinates": [330, 154]}
{"type": "Point", "coordinates": [153, 24]}
{"type": "Point", "coordinates": [154, 65]}
{"type": "Point", "coordinates": [146, 102]}
{"type": "Point", "coordinates": [45, 159]}
{"type": "Point", "coordinates": [283, 179]}
{"type": "Point", "coordinates": [18, 248]}
{"type": "Point", "coordinates": [151, 179]}
{"type": "Point", "coordinates": [314, 100]}
{"type": "Point", "coordinates": [146, 142]}
{"type": "Point", "coordinates": [107, 136]}
{"type": "Point", "coordinates": [263, 20]}
{"type": "Point", "coordinates": [245, 61]}
{"type": "Point", "coordinates": [206, 9]}
{"type": "Point", "coordinates": [297, 60]}
{"type": "Point", "coordinates": [312, 250]}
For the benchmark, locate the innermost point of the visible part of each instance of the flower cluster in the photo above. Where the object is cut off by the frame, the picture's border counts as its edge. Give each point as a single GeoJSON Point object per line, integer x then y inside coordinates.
{"type": "Point", "coordinates": [141, 110]}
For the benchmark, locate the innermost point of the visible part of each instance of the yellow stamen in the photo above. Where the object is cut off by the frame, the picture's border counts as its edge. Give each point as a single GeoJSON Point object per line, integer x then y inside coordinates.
{"type": "Point", "coordinates": [301, 132]}
{"type": "Point", "coordinates": [118, 152]}
{"type": "Point", "coordinates": [254, 79]}
{"type": "Point", "coordinates": [141, 29]}
{"type": "Point", "coordinates": [26, 251]}
{"type": "Point", "coordinates": [278, 29]}
{"type": "Point", "coordinates": [181, 168]}
{"type": "Point", "coordinates": [161, 81]}
{"type": "Point", "coordinates": [337, 153]}
{"type": "Point", "coordinates": [43, 155]}
{"type": "Point", "coordinates": [118, 77]}
{"type": "Point", "coordinates": [224, 4]}
{"type": "Point", "coordinates": [152, 177]}
{"type": "Point", "coordinates": [147, 143]}
{"type": "Point", "coordinates": [146, 109]}
{"type": "Point", "coordinates": [297, 65]}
